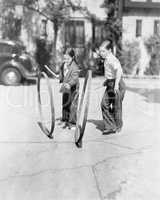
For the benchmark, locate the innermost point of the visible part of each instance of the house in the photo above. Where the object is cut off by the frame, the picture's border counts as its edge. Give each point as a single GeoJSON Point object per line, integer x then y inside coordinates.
{"type": "Point", "coordinates": [141, 18]}
{"type": "Point", "coordinates": [79, 28]}
{"type": "Point", "coordinates": [140, 21]}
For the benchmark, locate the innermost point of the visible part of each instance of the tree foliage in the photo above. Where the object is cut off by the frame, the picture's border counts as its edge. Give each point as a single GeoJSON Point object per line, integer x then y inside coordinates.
{"type": "Point", "coordinates": [56, 11]}
{"type": "Point", "coordinates": [113, 22]}
{"type": "Point", "coordinates": [11, 24]}
{"type": "Point", "coordinates": [153, 47]}
{"type": "Point", "coordinates": [130, 56]}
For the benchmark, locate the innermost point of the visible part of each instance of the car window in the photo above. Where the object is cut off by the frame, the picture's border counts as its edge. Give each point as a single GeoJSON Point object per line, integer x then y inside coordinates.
{"type": "Point", "coordinates": [5, 48]}
{"type": "Point", "coordinates": [16, 49]}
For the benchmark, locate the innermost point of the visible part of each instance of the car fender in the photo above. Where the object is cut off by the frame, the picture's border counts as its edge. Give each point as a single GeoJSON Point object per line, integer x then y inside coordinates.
{"type": "Point", "coordinates": [15, 64]}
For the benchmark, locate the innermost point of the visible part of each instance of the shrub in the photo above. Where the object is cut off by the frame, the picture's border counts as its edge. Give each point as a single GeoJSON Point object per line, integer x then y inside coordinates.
{"type": "Point", "coordinates": [129, 56]}
{"type": "Point", "coordinates": [42, 54]}
{"type": "Point", "coordinates": [153, 47]}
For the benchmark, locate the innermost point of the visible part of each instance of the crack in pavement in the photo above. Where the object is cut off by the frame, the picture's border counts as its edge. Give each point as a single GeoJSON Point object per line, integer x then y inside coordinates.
{"type": "Point", "coordinates": [111, 195]}
{"type": "Point", "coordinates": [97, 183]}
{"type": "Point", "coordinates": [117, 157]}
{"type": "Point", "coordinates": [145, 147]}
{"type": "Point", "coordinates": [74, 168]}
{"type": "Point", "coordinates": [53, 171]}
{"type": "Point", "coordinates": [67, 142]}
{"type": "Point", "coordinates": [121, 146]}
{"type": "Point", "coordinates": [35, 142]}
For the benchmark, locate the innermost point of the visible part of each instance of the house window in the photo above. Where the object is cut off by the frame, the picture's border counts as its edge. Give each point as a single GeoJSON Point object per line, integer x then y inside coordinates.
{"type": "Point", "coordinates": [99, 32]}
{"type": "Point", "coordinates": [44, 27]}
{"type": "Point", "coordinates": [74, 33]}
{"type": "Point", "coordinates": [138, 28]}
{"type": "Point", "coordinates": [157, 27]}
{"type": "Point", "coordinates": [18, 24]}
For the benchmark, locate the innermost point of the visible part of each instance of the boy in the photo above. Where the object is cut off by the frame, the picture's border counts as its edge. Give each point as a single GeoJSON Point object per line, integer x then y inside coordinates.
{"type": "Point", "coordinates": [111, 104]}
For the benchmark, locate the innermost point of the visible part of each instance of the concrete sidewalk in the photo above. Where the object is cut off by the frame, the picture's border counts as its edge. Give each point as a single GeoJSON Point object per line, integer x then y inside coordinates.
{"type": "Point", "coordinates": [122, 166]}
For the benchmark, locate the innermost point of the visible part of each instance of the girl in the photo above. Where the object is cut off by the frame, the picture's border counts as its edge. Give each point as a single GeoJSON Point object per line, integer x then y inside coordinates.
{"type": "Point", "coordinates": [69, 77]}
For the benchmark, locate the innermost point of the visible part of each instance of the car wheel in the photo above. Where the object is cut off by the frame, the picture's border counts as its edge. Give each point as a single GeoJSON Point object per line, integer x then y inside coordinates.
{"type": "Point", "coordinates": [11, 76]}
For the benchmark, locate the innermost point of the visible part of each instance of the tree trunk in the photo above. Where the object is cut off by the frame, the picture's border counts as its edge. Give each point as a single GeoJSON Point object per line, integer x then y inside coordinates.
{"type": "Point", "coordinates": [55, 29]}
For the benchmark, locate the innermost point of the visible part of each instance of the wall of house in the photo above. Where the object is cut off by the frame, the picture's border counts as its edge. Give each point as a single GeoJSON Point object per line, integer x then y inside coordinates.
{"type": "Point", "coordinates": [129, 23]}
{"type": "Point", "coordinates": [148, 18]}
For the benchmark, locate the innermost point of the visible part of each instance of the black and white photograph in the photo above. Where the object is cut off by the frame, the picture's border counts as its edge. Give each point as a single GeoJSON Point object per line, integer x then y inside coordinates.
{"type": "Point", "coordinates": [79, 99]}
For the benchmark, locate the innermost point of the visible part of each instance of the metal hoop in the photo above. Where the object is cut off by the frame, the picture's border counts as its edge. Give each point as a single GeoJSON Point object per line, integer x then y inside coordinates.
{"type": "Point", "coordinates": [79, 132]}
{"type": "Point", "coordinates": [45, 130]}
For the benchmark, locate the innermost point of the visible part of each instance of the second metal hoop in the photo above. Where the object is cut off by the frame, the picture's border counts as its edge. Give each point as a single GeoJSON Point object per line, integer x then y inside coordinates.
{"type": "Point", "coordinates": [45, 129]}
{"type": "Point", "coordinates": [79, 132]}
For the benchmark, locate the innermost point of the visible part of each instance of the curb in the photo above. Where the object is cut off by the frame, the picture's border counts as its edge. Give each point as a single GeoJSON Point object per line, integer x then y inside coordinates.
{"type": "Point", "coordinates": [141, 77]}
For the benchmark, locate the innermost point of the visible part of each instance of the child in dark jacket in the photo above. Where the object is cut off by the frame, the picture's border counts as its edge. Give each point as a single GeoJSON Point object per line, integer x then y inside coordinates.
{"type": "Point", "coordinates": [69, 77]}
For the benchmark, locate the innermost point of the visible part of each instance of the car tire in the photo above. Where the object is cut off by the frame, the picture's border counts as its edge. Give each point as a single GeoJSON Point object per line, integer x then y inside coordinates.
{"type": "Point", "coordinates": [11, 76]}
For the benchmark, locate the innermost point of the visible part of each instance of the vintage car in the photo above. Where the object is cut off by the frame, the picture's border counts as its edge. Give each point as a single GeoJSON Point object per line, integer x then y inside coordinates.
{"type": "Point", "coordinates": [16, 65]}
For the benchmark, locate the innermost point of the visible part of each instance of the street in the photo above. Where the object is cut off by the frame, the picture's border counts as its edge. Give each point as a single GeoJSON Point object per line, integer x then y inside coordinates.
{"type": "Point", "coordinates": [122, 166]}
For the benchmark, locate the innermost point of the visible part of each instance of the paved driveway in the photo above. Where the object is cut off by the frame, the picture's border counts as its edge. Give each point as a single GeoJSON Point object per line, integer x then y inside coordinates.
{"type": "Point", "coordinates": [122, 166]}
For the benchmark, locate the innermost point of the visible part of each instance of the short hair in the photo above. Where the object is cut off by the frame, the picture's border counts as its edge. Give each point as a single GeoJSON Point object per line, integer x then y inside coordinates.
{"type": "Point", "coordinates": [107, 44]}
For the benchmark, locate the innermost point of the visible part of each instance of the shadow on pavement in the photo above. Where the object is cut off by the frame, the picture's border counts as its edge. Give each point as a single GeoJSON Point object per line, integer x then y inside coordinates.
{"type": "Point", "coordinates": [151, 95]}
{"type": "Point", "coordinates": [98, 123]}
